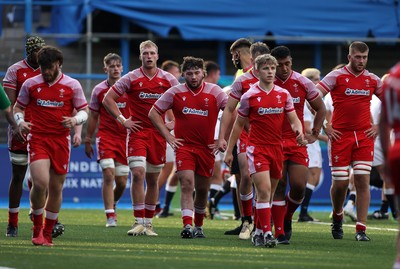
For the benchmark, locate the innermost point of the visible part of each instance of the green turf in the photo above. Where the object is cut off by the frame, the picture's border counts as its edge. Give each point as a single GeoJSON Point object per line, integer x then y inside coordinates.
{"type": "Point", "coordinates": [88, 244]}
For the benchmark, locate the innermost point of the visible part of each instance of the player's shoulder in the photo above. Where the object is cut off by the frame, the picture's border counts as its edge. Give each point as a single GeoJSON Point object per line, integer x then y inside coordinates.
{"type": "Point", "coordinates": [69, 81]}
{"type": "Point", "coordinates": [367, 73]}
{"type": "Point", "coordinates": [102, 86]}
{"type": "Point", "coordinates": [245, 76]}
{"type": "Point", "coordinates": [212, 87]}
{"type": "Point", "coordinates": [18, 65]}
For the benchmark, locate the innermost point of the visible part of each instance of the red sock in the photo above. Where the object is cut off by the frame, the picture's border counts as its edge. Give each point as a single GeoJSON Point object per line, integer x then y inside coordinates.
{"type": "Point", "coordinates": [337, 217]}
{"type": "Point", "coordinates": [48, 225]}
{"type": "Point", "coordinates": [278, 214]}
{"type": "Point", "coordinates": [149, 211]}
{"type": "Point", "coordinates": [247, 207]}
{"type": "Point", "coordinates": [13, 218]}
{"type": "Point", "coordinates": [198, 219]}
{"type": "Point", "coordinates": [264, 218]}
{"type": "Point", "coordinates": [110, 215]}
{"type": "Point", "coordinates": [360, 227]}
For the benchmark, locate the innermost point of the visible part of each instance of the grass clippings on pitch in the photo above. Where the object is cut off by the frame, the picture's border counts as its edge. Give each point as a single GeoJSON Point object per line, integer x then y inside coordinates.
{"type": "Point", "coordinates": [87, 243]}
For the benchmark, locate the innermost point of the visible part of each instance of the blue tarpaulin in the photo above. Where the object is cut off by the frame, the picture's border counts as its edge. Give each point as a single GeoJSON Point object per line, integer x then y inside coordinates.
{"type": "Point", "coordinates": [227, 20]}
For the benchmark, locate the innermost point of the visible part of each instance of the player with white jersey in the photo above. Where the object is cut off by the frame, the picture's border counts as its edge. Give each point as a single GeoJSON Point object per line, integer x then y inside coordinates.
{"type": "Point", "coordinates": [52, 97]}
{"type": "Point", "coordinates": [146, 147]}
{"type": "Point", "coordinates": [264, 105]}
{"type": "Point", "coordinates": [195, 105]}
{"type": "Point", "coordinates": [351, 139]}
{"type": "Point", "coordinates": [295, 167]}
{"type": "Point", "coordinates": [313, 150]}
{"type": "Point", "coordinates": [111, 139]}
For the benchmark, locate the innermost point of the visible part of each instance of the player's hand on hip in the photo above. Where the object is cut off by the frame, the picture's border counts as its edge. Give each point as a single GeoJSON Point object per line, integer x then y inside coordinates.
{"type": "Point", "coordinates": [372, 132]}
{"type": "Point", "coordinates": [133, 126]}
{"type": "Point", "coordinates": [332, 133]}
{"type": "Point", "coordinates": [214, 147]}
{"type": "Point", "coordinates": [174, 142]}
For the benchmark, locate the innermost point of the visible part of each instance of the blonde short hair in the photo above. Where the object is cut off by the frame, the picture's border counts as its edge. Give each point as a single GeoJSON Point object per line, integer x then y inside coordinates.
{"type": "Point", "coordinates": [263, 59]}
{"type": "Point", "coordinates": [311, 72]}
{"type": "Point", "coordinates": [146, 44]}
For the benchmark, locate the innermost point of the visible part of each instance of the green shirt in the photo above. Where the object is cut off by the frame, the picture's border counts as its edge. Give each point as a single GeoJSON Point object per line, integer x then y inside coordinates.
{"type": "Point", "coordinates": [4, 101]}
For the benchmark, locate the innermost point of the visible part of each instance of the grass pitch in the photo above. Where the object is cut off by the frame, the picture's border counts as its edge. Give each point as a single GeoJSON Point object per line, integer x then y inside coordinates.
{"type": "Point", "coordinates": [87, 243]}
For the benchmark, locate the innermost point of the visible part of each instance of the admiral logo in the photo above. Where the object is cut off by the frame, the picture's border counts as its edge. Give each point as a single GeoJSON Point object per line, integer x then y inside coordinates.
{"type": "Point", "coordinates": [357, 92]}
{"type": "Point", "coordinates": [24, 74]}
{"type": "Point", "coordinates": [193, 111]}
{"type": "Point", "coordinates": [48, 103]}
{"type": "Point", "coordinates": [140, 84]}
{"type": "Point", "coordinates": [259, 99]}
{"type": "Point", "coordinates": [144, 95]}
{"type": "Point", "coordinates": [121, 105]}
{"type": "Point", "coordinates": [270, 110]}
{"type": "Point", "coordinates": [39, 89]}
{"type": "Point", "coordinates": [296, 100]}
{"type": "Point", "coordinates": [347, 80]}
{"type": "Point", "coordinates": [184, 98]}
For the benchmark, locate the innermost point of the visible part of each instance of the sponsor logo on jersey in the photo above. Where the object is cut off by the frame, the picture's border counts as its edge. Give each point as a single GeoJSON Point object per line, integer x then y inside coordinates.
{"type": "Point", "coordinates": [357, 92]}
{"type": "Point", "coordinates": [269, 110]}
{"type": "Point", "coordinates": [49, 103]}
{"type": "Point", "coordinates": [193, 111]}
{"type": "Point", "coordinates": [296, 100]}
{"type": "Point", "coordinates": [121, 105]}
{"type": "Point", "coordinates": [144, 95]}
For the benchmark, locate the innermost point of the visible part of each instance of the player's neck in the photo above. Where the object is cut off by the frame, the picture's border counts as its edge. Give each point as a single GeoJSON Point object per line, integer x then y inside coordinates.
{"type": "Point", "coordinates": [354, 72]}
{"type": "Point", "coordinates": [267, 87]}
{"type": "Point", "coordinates": [150, 72]}
{"type": "Point", "coordinates": [33, 65]}
{"type": "Point", "coordinates": [111, 81]}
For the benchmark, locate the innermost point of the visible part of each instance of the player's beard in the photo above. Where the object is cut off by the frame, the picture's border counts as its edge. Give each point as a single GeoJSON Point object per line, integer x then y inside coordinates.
{"type": "Point", "coordinates": [237, 63]}
{"type": "Point", "coordinates": [194, 85]}
{"type": "Point", "coordinates": [50, 78]}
